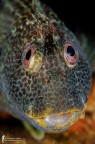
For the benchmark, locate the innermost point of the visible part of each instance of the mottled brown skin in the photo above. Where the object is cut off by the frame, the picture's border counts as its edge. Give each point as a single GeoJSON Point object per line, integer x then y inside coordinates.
{"type": "Point", "coordinates": [55, 88]}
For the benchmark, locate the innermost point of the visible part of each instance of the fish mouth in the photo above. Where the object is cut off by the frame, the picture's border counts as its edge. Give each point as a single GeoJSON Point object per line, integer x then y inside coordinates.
{"type": "Point", "coordinates": [58, 122]}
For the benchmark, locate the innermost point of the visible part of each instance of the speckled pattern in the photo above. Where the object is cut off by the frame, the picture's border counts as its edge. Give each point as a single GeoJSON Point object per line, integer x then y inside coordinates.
{"type": "Point", "coordinates": [55, 87]}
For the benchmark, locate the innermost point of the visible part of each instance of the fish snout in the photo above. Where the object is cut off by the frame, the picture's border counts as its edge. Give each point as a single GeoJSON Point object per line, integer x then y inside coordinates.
{"type": "Point", "coordinates": [58, 122]}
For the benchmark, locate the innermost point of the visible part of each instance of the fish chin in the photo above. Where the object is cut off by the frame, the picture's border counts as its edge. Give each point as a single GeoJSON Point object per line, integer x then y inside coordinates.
{"type": "Point", "coordinates": [58, 122]}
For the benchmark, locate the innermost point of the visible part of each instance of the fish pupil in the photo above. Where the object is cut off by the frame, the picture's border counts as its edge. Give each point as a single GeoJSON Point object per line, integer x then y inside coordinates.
{"type": "Point", "coordinates": [28, 55]}
{"type": "Point", "coordinates": [70, 51]}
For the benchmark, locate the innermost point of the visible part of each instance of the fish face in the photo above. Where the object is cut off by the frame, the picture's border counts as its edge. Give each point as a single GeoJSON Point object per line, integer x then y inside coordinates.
{"type": "Point", "coordinates": [60, 91]}
{"type": "Point", "coordinates": [50, 79]}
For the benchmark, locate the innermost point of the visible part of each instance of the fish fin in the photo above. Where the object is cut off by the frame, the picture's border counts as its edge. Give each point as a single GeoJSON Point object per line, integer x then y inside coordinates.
{"type": "Point", "coordinates": [88, 47]}
{"type": "Point", "coordinates": [35, 133]}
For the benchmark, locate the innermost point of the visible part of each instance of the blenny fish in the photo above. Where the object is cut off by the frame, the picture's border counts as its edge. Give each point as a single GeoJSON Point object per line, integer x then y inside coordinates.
{"type": "Point", "coordinates": [45, 77]}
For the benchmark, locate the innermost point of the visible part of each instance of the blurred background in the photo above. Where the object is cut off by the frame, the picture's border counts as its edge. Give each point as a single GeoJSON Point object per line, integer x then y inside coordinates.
{"type": "Point", "coordinates": [79, 18]}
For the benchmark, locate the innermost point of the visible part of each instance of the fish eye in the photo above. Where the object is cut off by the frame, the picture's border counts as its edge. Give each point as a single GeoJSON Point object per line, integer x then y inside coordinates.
{"type": "Point", "coordinates": [32, 60]}
{"type": "Point", "coordinates": [70, 55]}
{"type": "Point", "coordinates": [70, 51]}
{"type": "Point", "coordinates": [28, 55]}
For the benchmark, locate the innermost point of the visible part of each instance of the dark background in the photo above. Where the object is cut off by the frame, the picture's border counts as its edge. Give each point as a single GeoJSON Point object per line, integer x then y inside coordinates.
{"type": "Point", "coordinates": [79, 16]}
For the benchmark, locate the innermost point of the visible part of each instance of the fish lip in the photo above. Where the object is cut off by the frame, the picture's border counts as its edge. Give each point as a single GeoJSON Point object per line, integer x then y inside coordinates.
{"type": "Point", "coordinates": [58, 122]}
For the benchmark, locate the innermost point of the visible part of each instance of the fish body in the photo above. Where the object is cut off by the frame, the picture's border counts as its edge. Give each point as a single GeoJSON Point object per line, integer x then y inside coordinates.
{"type": "Point", "coordinates": [45, 78]}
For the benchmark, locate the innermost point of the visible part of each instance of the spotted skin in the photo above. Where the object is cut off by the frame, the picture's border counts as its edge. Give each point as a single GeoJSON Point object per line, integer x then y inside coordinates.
{"type": "Point", "coordinates": [55, 88]}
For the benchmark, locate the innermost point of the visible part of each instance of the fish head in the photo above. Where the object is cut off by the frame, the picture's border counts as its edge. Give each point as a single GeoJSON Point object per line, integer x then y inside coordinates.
{"type": "Point", "coordinates": [52, 79]}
